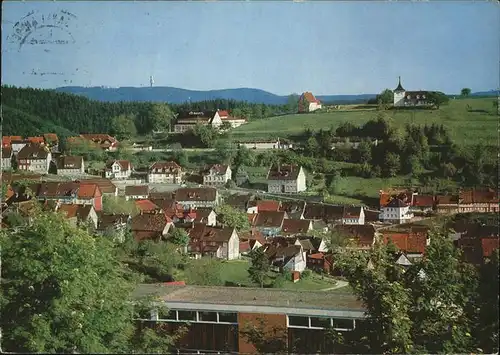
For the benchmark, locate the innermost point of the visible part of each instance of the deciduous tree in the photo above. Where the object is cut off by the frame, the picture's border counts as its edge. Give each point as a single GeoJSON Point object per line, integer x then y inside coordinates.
{"type": "Point", "coordinates": [231, 217]}
{"type": "Point", "coordinates": [260, 266]}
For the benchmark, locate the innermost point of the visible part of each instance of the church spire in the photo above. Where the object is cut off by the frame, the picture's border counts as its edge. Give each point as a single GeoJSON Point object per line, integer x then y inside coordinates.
{"type": "Point", "coordinates": [400, 87]}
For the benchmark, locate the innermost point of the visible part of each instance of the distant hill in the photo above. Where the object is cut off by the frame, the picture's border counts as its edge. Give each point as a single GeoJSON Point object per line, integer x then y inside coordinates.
{"type": "Point", "coordinates": [177, 96]}
{"type": "Point", "coordinates": [485, 93]}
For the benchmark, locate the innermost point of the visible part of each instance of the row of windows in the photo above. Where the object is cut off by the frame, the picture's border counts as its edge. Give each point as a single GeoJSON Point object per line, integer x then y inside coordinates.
{"type": "Point", "coordinates": [196, 316]}
{"type": "Point", "coordinates": [320, 322]}
{"type": "Point", "coordinates": [232, 318]}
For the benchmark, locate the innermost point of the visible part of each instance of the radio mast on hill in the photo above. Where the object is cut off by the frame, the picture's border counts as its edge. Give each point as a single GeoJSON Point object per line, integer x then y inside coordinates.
{"type": "Point", "coordinates": [151, 81]}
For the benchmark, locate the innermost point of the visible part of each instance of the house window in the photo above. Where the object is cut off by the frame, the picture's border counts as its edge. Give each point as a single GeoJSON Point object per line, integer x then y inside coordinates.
{"type": "Point", "coordinates": [207, 316]}
{"type": "Point", "coordinates": [298, 321]}
{"type": "Point", "coordinates": [228, 317]}
{"type": "Point", "coordinates": [321, 322]}
{"type": "Point", "coordinates": [165, 314]}
{"type": "Point", "coordinates": [340, 323]}
{"type": "Point", "coordinates": [186, 315]}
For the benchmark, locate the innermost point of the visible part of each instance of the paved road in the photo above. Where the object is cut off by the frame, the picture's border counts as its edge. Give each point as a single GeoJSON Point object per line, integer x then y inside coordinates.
{"type": "Point", "coordinates": [339, 284]}
{"type": "Point", "coordinates": [171, 150]}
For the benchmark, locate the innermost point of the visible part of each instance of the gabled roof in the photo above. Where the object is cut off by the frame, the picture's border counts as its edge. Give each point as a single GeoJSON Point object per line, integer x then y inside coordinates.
{"type": "Point", "coordinates": [33, 151]}
{"type": "Point", "coordinates": [291, 207]}
{"type": "Point", "coordinates": [165, 167]}
{"type": "Point", "coordinates": [396, 203]}
{"type": "Point", "coordinates": [309, 97]}
{"type": "Point", "coordinates": [86, 191]}
{"type": "Point", "coordinates": [295, 226]}
{"type": "Point", "coordinates": [283, 172]}
{"type": "Point", "coordinates": [409, 242]}
{"type": "Point", "coordinates": [364, 235]}
{"type": "Point", "coordinates": [105, 185]}
{"type": "Point", "coordinates": [423, 201]}
{"type": "Point", "coordinates": [151, 222]}
{"type": "Point", "coordinates": [125, 165]}
{"type": "Point", "coordinates": [203, 213]}
{"type": "Point", "coordinates": [216, 169]}
{"type": "Point", "coordinates": [446, 200]}
{"type": "Point", "coordinates": [196, 194]}
{"type": "Point", "coordinates": [81, 212]}
{"type": "Point", "coordinates": [239, 201]}
{"type": "Point", "coordinates": [270, 219]}
{"type": "Point", "coordinates": [137, 190]}
{"type": "Point", "coordinates": [267, 205]}
{"type": "Point", "coordinates": [69, 162]}
{"type": "Point", "coordinates": [146, 205]}
{"type": "Point", "coordinates": [202, 232]}
{"type": "Point", "coordinates": [196, 115]}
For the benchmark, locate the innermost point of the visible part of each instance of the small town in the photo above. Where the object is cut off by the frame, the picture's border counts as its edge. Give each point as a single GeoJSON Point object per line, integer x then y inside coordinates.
{"type": "Point", "coordinates": [202, 223]}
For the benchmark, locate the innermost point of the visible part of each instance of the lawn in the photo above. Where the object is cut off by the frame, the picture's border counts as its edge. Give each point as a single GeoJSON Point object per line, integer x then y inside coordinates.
{"type": "Point", "coordinates": [236, 272]}
{"type": "Point", "coordinates": [466, 126]}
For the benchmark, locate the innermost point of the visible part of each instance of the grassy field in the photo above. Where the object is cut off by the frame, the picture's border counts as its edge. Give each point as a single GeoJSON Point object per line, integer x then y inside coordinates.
{"type": "Point", "coordinates": [235, 273]}
{"type": "Point", "coordinates": [466, 126]}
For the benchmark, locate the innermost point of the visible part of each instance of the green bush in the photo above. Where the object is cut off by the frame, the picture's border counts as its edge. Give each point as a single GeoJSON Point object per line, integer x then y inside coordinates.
{"type": "Point", "coordinates": [306, 273]}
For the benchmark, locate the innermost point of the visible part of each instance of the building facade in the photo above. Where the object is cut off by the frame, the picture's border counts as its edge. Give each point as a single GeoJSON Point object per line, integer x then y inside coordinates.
{"type": "Point", "coordinates": [168, 172]}
{"type": "Point", "coordinates": [220, 317]}
{"type": "Point", "coordinates": [286, 179]}
{"type": "Point", "coordinates": [217, 175]}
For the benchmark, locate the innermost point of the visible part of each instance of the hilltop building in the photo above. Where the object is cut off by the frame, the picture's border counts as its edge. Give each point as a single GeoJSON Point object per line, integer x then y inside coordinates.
{"type": "Point", "coordinates": [308, 103]}
{"type": "Point", "coordinates": [403, 98]}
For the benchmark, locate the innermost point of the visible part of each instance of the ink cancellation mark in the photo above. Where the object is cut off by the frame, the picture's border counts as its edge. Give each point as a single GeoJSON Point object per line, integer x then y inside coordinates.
{"type": "Point", "coordinates": [43, 29]}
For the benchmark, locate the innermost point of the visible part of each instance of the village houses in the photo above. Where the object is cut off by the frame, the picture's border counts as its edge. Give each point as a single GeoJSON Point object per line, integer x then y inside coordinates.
{"type": "Point", "coordinates": [286, 179]}
{"type": "Point", "coordinates": [35, 158]}
{"type": "Point", "coordinates": [187, 121]}
{"type": "Point", "coordinates": [154, 226]}
{"type": "Point", "coordinates": [118, 169]}
{"type": "Point", "coordinates": [217, 175]}
{"type": "Point", "coordinates": [165, 172]}
{"type": "Point", "coordinates": [70, 165]}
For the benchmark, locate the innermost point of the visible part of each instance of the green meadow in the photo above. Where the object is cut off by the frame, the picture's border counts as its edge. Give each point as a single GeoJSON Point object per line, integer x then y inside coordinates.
{"type": "Point", "coordinates": [469, 121]}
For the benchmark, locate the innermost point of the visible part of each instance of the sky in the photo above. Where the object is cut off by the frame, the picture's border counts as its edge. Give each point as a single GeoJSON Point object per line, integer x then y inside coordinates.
{"type": "Point", "coordinates": [282, 47]}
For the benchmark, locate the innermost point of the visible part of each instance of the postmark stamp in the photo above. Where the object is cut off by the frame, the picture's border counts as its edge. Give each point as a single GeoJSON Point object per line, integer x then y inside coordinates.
{"type": "Point", "coordinates": [37, 28]}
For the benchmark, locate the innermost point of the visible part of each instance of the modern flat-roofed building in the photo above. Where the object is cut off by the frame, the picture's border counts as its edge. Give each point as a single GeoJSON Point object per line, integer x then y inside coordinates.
{"type": "Point", "coordinates": [217, 316]}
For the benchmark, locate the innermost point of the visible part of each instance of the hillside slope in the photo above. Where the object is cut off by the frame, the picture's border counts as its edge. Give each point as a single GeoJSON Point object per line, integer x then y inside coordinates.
{"type": "Point", "coordinates": [468, 126]}
{"type": "Point", "coordinates": [30, 112]}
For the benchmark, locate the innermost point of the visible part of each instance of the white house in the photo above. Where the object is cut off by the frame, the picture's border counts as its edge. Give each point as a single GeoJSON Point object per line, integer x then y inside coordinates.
{"type": "Point", "coordinates": [166, 172]}
{"type": "Point", "coordinates": [308, 103]}
{"type": "Point", "coordinates": [79, 214]}
{"type": "Point", "coordinates": [291, 257]}
{"type": "Point", "coordinates": [7, 155]}
{"type": "Point", "coordinates": [217, 175]}
{"type": "Point", "coordinates": [70, 165]}
{"type": "Point", "coordinates": [35, 158]}
{"type": "Point", "coordinates": [118, 169]}
{"type": "Point", "coordinates": [222, 243]}
{"type": "Point", "coordinates": [264, 144]}
{"type": "Point", "coordinates": [17, 145]}
{"type": "Point", "coordinates": [353, 215]}
{"type": "Point", "coordinates": [206, 216]}
{"type": "Point", "coordinates": [396, 211]}
{"type": "Point", "coordinates": [404, 98]}
{"type": "Point", "coordinates": [136, 192]}
{"type": "Point", "coordinates": [197, 197]}
{"type": "Point", "coordinates": [188, 120]}
{"type": "Point", "coordinates": [233, 121]}
{"type": "Point", "coordinates": [286, 179]}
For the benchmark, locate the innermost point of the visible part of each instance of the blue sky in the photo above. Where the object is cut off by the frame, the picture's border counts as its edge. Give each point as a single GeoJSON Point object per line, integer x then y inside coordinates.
{"type": "Point", "coordinates": [282, 47]}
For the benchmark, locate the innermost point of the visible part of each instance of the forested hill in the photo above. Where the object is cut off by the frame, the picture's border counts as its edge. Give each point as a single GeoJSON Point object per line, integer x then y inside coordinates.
{"type": "Point", "coordinates": [29, 112]}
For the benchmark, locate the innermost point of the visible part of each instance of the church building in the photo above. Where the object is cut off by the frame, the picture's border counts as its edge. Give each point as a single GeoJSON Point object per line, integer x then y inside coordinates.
{"type": "Point", "coordinates": [403, 98]}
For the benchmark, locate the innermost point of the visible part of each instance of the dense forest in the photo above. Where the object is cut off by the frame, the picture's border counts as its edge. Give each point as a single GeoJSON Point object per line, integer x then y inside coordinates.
{"type": "Point", "coordinates": [30, 112]}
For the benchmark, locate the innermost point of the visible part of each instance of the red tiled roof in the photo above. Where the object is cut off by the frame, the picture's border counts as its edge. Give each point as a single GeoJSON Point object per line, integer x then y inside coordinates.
{"type": "Point", "coordinates": [145, 205]}
{"type": "Point", "coordinates": [267, 205]}
{"type": "Point", "coordinates": [309, 97]}
{"type": "Point", "coordinates": [50, 137]}
{"type": "Point", "coordinates": [245, 246]}
{"type": "Point", "coordinates": [413, 242]}
{"type": "Point", "coordinates": [36, 140]}
{"type": "Point", "coordinates": [489, 245]}
{"type": "Point", "coordinates": [223, 113]}
{"type": "Point", "coordinates": [88, 190]}
{"type": "Point", "coordinates": [423, 201]}
{"type": "Point", "coordinates": [295, 226]}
